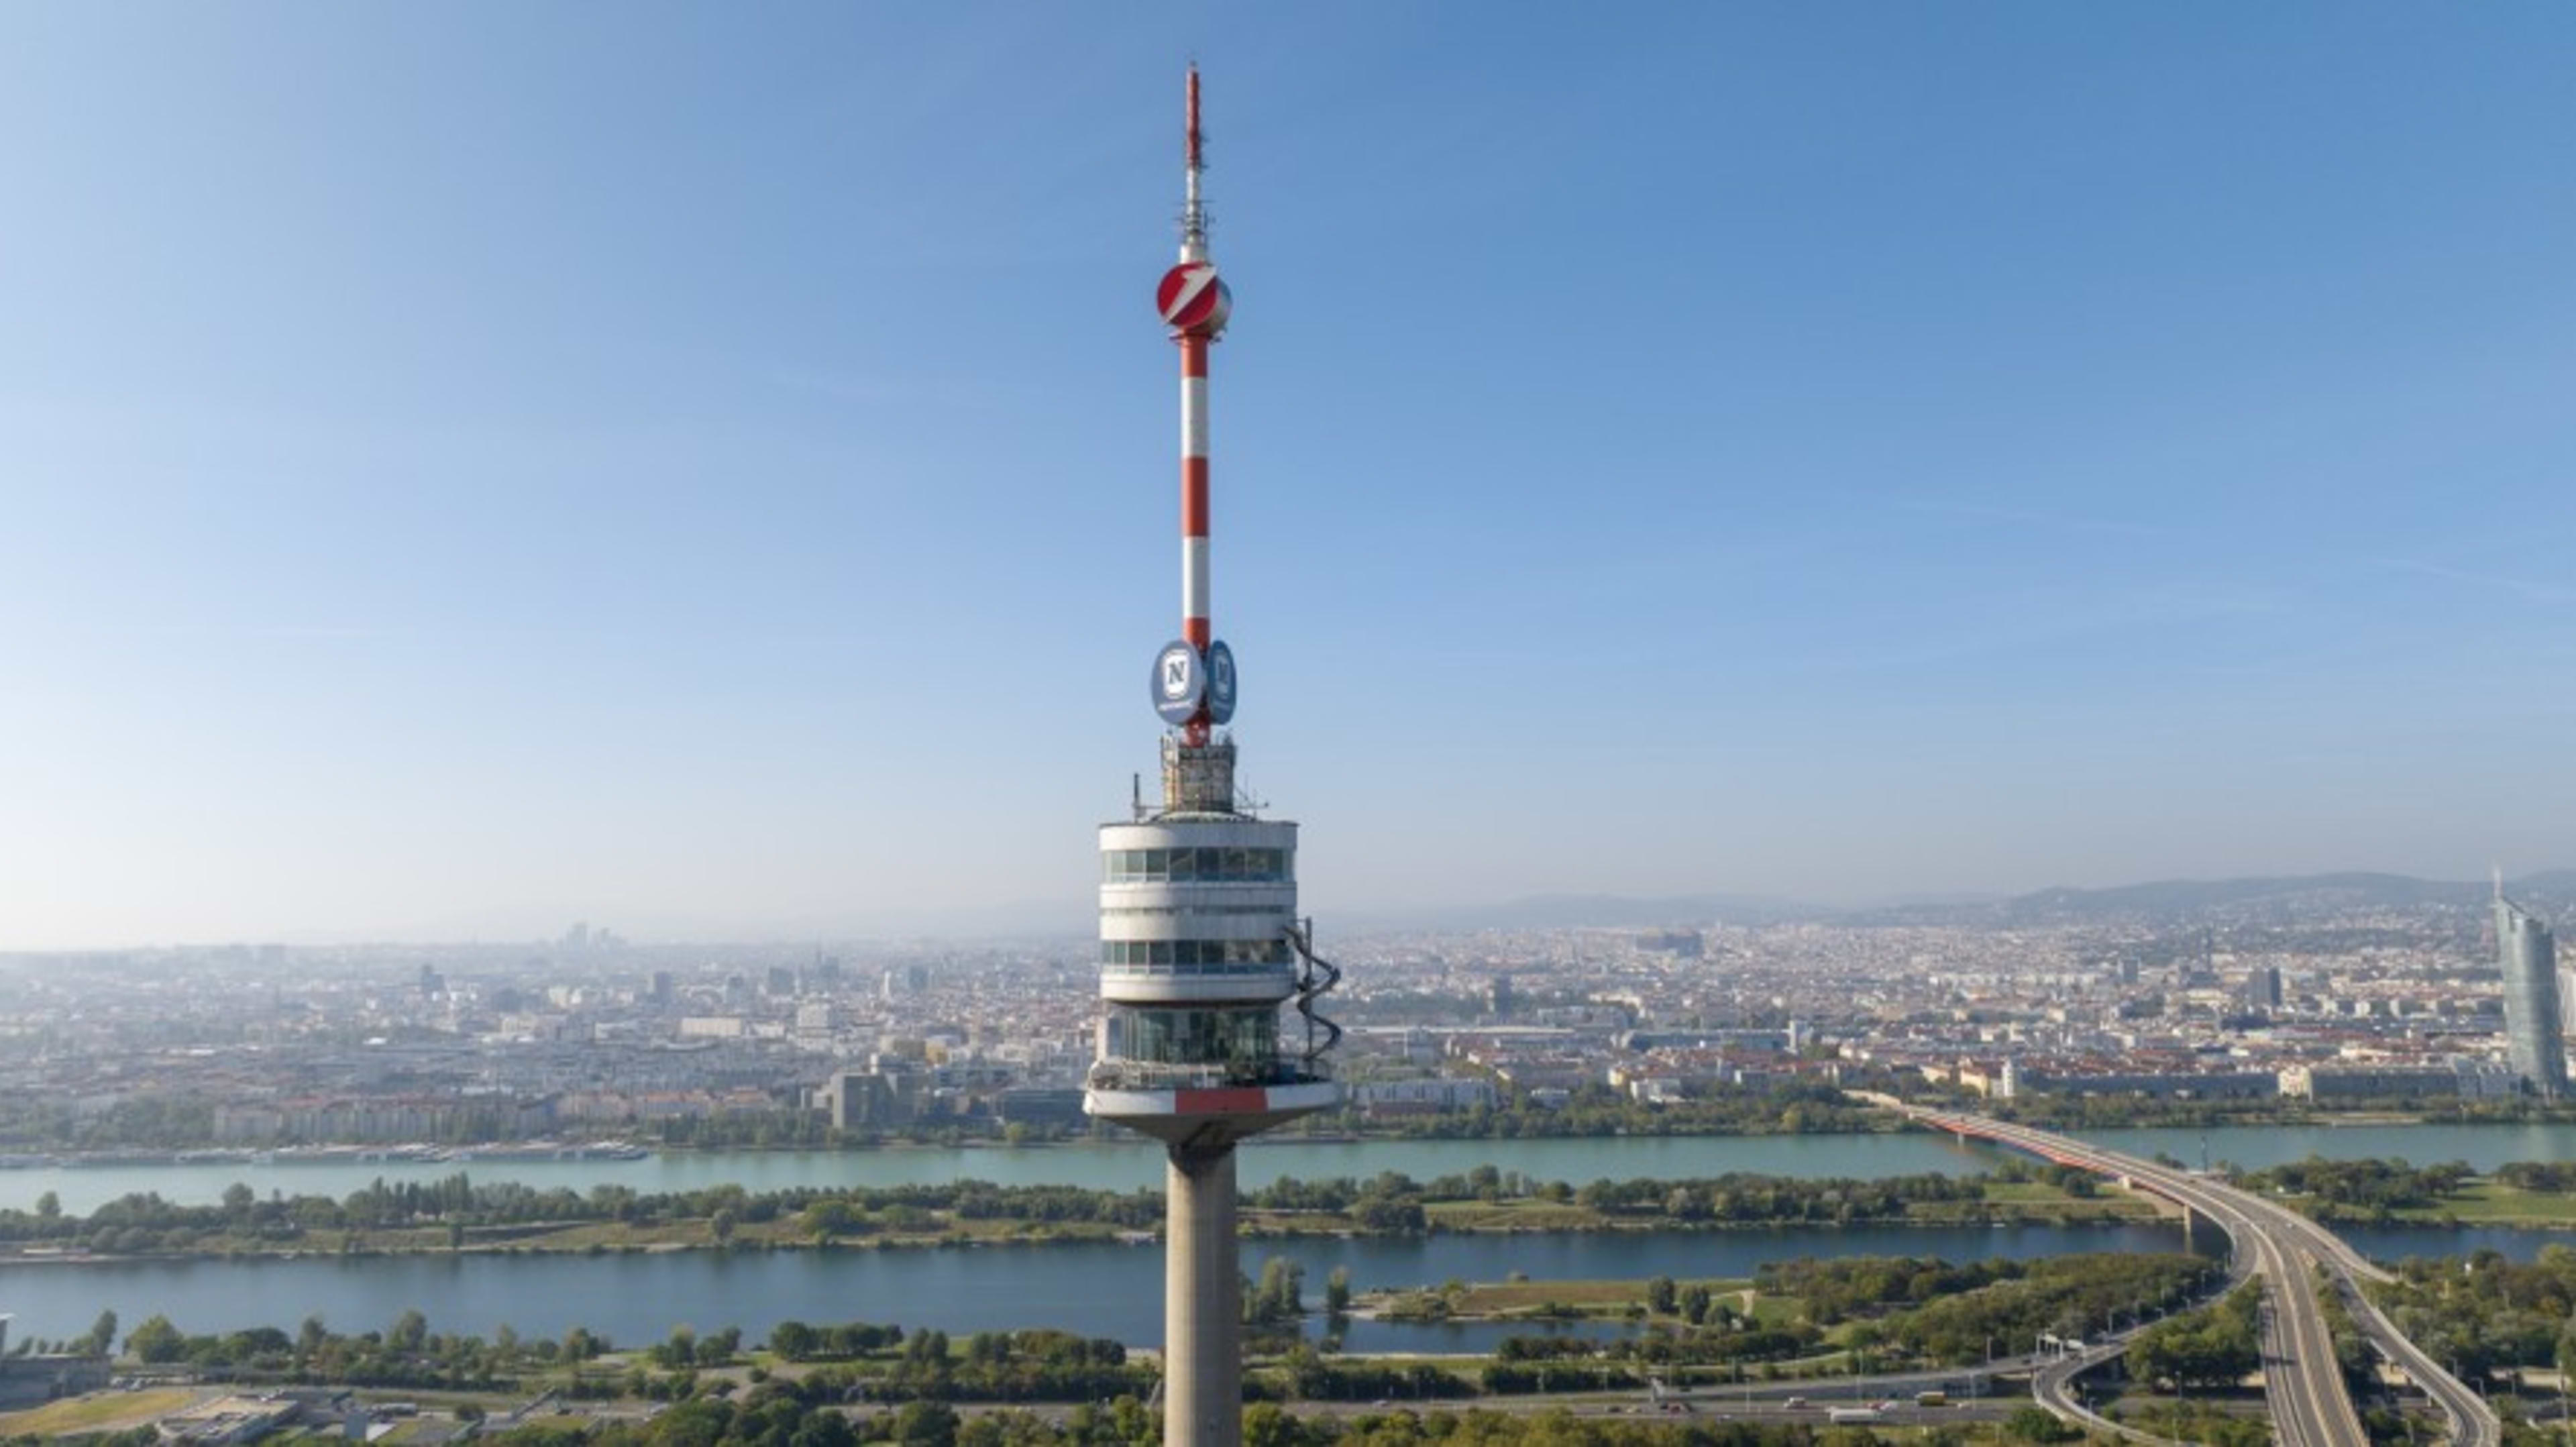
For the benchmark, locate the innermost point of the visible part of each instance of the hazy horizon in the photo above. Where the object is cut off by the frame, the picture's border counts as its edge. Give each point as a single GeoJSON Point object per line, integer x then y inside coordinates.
{"type": "Point", "coordinates": [1073, 917]}
{"type": "Point", "coordinates": [474, 461]}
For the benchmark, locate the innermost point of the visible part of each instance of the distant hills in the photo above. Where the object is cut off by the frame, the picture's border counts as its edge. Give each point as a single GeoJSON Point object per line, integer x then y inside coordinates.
{"type": "Point", "coordinates": [1587, 911]}
{"type": "Point", "coordinates": [2264, 899]}
{"type": "Point", "coordinates": [2267, 900]}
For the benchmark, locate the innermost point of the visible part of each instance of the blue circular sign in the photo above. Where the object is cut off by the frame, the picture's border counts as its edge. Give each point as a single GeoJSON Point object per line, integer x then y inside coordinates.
{"type": "Point", "coordinates": [1180, 682]}
{"type": "Point", "coordinates": [1220, 682]}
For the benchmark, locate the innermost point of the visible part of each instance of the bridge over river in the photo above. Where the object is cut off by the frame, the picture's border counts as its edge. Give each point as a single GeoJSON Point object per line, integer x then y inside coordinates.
{"type": "Point", "coordinates": [2302, 1384]}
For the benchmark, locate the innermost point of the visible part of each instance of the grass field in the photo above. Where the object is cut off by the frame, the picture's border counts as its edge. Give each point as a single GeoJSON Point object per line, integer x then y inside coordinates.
{"type": "Point", "coordinates": [1530, 1215]}
{"type": "Point", "coordinates": [2490, 1203]}
{"type": "Point", "coordinates": [2037, 1200]}
{"type": "Point", "coordinates": [1513, 1298]}
{"type": "Point", "coordinates": [97, 1412]}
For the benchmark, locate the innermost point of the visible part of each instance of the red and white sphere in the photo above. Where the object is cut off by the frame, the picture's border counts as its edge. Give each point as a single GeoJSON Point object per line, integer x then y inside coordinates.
{"type": "Point", "coordinates": [1193, 301]}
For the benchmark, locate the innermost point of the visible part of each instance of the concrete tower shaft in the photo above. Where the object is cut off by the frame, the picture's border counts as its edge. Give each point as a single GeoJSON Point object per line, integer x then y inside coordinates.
{"type": "Point", "coordinates": [1201, 946]}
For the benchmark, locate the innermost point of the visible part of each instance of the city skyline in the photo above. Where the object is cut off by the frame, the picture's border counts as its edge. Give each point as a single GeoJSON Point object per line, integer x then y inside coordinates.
{"type": "Point", "coordinates": [476, 465]}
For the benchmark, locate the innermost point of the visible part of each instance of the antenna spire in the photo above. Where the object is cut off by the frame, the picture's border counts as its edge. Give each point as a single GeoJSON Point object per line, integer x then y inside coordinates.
{"type": "Point", "coordinates": [1193, 213]}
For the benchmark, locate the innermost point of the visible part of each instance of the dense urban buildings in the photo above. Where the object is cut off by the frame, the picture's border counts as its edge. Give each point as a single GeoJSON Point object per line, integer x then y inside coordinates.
{"type": "Point", "coordinates": [2386, 998]}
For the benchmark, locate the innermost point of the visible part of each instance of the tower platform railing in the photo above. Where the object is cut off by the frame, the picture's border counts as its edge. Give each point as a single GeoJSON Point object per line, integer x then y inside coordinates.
{"type": "Point", "coordinates": [1152, 1075]}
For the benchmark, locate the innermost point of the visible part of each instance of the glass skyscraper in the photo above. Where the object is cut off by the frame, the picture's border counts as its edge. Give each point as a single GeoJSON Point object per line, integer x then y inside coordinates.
{"type": "Point", "coordinates": [2527, 954]}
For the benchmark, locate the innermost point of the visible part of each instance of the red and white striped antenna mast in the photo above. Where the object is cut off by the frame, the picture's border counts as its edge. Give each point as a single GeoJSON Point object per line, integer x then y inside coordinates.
{"type": "Point", "coordinates": [1195, 304]}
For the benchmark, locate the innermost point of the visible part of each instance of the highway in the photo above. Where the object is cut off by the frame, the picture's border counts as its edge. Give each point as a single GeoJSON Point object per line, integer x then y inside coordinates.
{"type": "Point", "coordinates": [2303, 1387]}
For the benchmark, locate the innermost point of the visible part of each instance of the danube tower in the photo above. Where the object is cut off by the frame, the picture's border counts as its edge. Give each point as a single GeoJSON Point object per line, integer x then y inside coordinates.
{"type": "Point", "coordinates": [1200, 942]}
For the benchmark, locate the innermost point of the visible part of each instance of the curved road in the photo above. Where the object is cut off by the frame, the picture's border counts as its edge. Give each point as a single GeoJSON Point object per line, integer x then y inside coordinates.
{"type": "Point", "coordinates": [2310, 1407]}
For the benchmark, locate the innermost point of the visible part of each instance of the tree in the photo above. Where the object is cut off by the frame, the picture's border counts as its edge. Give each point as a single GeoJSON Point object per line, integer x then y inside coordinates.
{"type": "Point", "coordinates": [1695, 1302]}
{"type": "Point", "coordinates": [156, 1341]}
{"type": "Point", "coordinates": [101, 1339]}
{"type": "Point", "coordinates": [721, 1225]}
{"type": "Point", "coordinates": [2034, 1424]}
{"type": "Point", "coordinates": [1281, 1296]}
{"type": "Point", "coordinates": [1265, 1425]}
{"type": "Point", "coordinates": [793, 1340]}
{"type": "Point", "coordinates": [926, 1424]}
{"type": "Point", "coordinates": [1337, 1292]}
{"type": "Point", "coordinates": [1662, 1296]}
{"type": "Point", "coordinates": [49, 1207]}
{"type": "Point", "coordinates": [410, 1333]}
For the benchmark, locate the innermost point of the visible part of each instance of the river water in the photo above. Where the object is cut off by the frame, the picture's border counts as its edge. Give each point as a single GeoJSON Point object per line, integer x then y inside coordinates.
{"type": "Point", "coordinates": [1096, 1289]}
{"type": "Point", "coordinates": [1107, 1290]}
{"type": "Point", "coordinates": [1125, 1166]}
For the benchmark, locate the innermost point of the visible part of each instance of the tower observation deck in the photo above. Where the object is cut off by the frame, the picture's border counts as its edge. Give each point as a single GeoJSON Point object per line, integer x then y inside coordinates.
{"type": "Point", "coordinates": [1200, 949]}
{"type": "Point", "coordinates": [1201, 946]}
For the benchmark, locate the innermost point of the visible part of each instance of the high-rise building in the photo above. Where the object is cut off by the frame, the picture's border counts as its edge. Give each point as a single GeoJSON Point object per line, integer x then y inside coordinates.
{"type": "Point", "coordinates": [2527, 955]}
{"type": "Point", "coordinates": [2263, 988]}
{"type": "Point", "coordinates": [1200, 941]}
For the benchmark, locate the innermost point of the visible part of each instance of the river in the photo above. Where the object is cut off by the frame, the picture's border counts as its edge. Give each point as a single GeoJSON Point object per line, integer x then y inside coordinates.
{"type": "Point", "coordinates": [1101, 1289]}
{"type": "Point", "coordinates": [1128, 1165]}
{"type": "Point", "coordinates": [1093, 1288]}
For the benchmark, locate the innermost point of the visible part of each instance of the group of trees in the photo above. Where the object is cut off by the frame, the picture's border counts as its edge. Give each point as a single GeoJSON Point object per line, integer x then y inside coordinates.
{"type": "Point", "coordinates": [2365, 1190]}
{"type": "Point", "coordinates": [406, 1354]}
{"type": "Point", "coordinates": [1938, 1312]}
{"type": "Point", "coordinates": [1737, 1198]}
{"type": "Point", "coordinates": [1392, 1200]}
{"type": "Point", "coordinates": [684, 1349]}
{"type": "Point", "coordinates": [1278, 1299]}
{"type": "Point", "coordinates": [2216, 1346]}
{"type": "Point", "coordinates": [2063, 1295]}
{"type": "Point", "coordinates": [2553, 1176]}
{"type": "Point", "coordinates": [1886, 1311]}
{"type": "Point", "coordinates": [98, 1341]}
{"type": "Point", "coordinates": [2488, 1312]}
{"type": "Point", "coordinates": [456, 1211]}
{"type": "Point", "coordinates": [499, 1212]}
{"type": "Point", "coordinates": [994, 1366]}
{"type": "Point", "coordinates": [857, 1361]}
{"type": "Point", "coordinates": [39, 1121]}
{"type": "Point", "coordinates": [781, 1414]}
{"type": "Point", "coordinates": [798, 1342]}
{"type": "Point", "coordinates": [1311, 1376]}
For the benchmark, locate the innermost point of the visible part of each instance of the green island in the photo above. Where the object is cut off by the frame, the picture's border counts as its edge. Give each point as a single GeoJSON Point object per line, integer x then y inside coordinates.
{"type": "Point", "coordinates": [457, 1214]}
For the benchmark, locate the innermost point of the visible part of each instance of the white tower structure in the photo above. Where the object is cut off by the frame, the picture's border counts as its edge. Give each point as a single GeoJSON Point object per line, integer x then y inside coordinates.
{"type": "Point", "coordinates": [1201, 946]}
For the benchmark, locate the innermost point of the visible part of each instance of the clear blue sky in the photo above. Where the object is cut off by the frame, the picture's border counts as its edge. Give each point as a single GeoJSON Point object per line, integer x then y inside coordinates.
{"type": "Point", "coordinates": [709, 469]}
